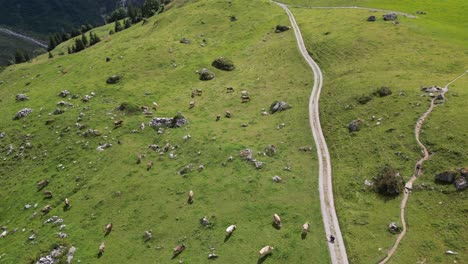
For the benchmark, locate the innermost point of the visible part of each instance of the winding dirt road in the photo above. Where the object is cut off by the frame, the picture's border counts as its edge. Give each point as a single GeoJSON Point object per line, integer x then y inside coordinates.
{"type": "Point", "coordinates": [417, 171]}
{"type": "Point", "coordinates": [330, 220]}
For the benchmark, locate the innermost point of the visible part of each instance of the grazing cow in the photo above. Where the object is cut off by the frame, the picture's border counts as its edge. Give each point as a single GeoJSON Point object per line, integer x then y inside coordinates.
{"type": "Point", "coordinates": [193, 94]}
{"type": "Point", "coordinates": [305, 228]}
{"type": "Point", "coordinates": [155, 106]}
{"type": "Point", "coordinates": [4, 234]}
{"type": "Point", "coordinates": [108, 228]}
{"type": "Point", "coordinates": [230, 229]}
{"type": "Point", "coordinates": [101, 248]}
{"type": "Point", "coordinates": [42, 184]}
{"type": "Point", "coordinates": [148, 235]}
{"type": "Point", "coordinates": [277, 220]}
{"type": "Point", "coordinates": [229, 90]}
{"type": "Point", "coordinates": [46, 209]}
{"type": "Point", "coordinates": [47, 194]}
{"type": "Point", "coordinates": [199, 92]}
{"type": "Point", "coordinates": [244, 93]}
{"type": "Point", "coordinates": [166, 147]}
{"type": "Point", "coordinates": [139, 157]}
{"type": "Point", "coordinates": [190, 197]}
{"type": "Point", "coordinates": [148, 113]}
{"type": "Point", "coordinates": [191, 104]}
{"type": "Point", "coordinates": [265, 250]}
{"type": "Point", "coordinates": [142, 126]}
{"type": "Point", "coordinates": [149, 165]}
{"type": "Point", "coordinates": [218, 117]}
{"type": "Point", "coordinates": [178, 249]}
{"type": "Point", "coordinates": [228, 114]}
{"type": "Point", "coordinates": [67, 203]}
{"type": "Point", "coordinates": [245, 98]}
{"type": "Point", "coordinates": [118, 123]}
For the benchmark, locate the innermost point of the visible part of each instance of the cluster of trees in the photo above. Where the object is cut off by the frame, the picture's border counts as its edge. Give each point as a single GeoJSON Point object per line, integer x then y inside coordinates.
{"type": "Point", "coordinates": [21, 56]}
{"type": "Point", "coordinates": [83, 42]}
{"type": "Point", "coordinates": [57, 38]}
{"type": "Point", "coordinates": [136, 13]}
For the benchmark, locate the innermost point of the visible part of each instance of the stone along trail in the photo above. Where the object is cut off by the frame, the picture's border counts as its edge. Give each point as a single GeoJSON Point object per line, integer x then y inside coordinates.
{"type": "Point", "coordinates": [330, 220]}
{"type": "Point", "coordinates": [417, 171]}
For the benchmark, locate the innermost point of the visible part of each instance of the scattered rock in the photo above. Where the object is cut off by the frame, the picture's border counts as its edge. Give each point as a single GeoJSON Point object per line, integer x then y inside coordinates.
{"type": "Point", "coordinates": [58, 111]}
{"type": "Point", "coordinates": [2, 135]}
{"type": "Point", "coordinates": [276, 178]}
{"type": "Point", "coordinates": [175, 122]}
{"type": "Point", "coordinates": [278, 106]}
{"type": "Point", "coordinates": [259, 164]}
{"type": "Point", "coordinates": [86, 98]}
{"type": "Point", "coordinates": [223, 63]}
{"type": "Point", "coordinates": [185, 41]}
{"type": "Point", "coordinates": [431, 89]}
{"type": "Point", "coordinates": [371, 19]}
{"type": "Point", "coordinates": [22, 113]}
{"type": "Point", "coordinates": [420, 12]}
{"type": "Point", "coordinates": [64, 93]}
{"type": "Point", "coordinates": [233, 18]}
{"type": "Point", "coordinates": [270, 150]}
{"type": "Point", "coordinates": [383, 91]}
{"type": "Point", "coordinates": [368, 183]}
{"type": "Point", "coordinates": [354, 125]}
{"type": "Point", "coordinates": [446, 176]}
{"type": "Point", "coordinates": [390, 17]}
{"type": "Point", "coordinates": [103, 146]}
{"type": "Point", "coordinates": [205, 74]}
{"type": "Point", "coordinates": [113, 79]}
{"type": "Point", "coordinates": [21, 97]}
{"type": "Point", "coordinates": [70, 254]}
{"type": "Point", "coordinates": [246, 154]}
{"type": "Point", "coordinates": [204, 221]}
{"type": "Point", "coordinates": [64, 103]}
{"type": "Point", "coordinates": [281, 28]}
{"type": "Point", "coordinates": [460, 183]}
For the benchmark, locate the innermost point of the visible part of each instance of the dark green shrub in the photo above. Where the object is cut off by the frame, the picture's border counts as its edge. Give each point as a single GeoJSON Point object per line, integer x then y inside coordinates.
{"type": "Point", "coordinates": [389, 182]}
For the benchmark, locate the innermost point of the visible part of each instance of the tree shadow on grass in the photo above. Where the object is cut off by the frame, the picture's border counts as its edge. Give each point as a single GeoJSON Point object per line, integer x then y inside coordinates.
{"type": "Point", "coordinates": [263, 258]}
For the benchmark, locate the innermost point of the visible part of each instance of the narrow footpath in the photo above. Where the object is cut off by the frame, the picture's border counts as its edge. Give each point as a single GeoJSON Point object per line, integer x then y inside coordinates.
{"type": "Point", "coordinates": [330, 220]}
{"type": "Point", "coordinates": [417, 171]}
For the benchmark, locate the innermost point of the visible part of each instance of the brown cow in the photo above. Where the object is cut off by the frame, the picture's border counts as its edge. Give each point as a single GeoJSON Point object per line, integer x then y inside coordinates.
{"type": "Point", "coordinates": [190, 197]}
{"type": "Point", "coordinates": [108, 228]}
{"type": "Point", "coordinates": [277, 220]}
{"type": "Point", "coordinates": [191, 104]}
{"type": "Point", "coordinates": [42, 184]}
{"type": "Point", "coordinates": [149, 165]}
{"type": "Point", "coordinates": [101, 248]}
{"type": "Point", "coordinates": [118, 123]}
{"type": "Point", "coordinates": [218, 117]}
{"type": "Point", "coordinates": [245, 98]}
{"type": "Point", "coordinates": [46, 209]}
{"type": "Point", "coordinates": [178, 249]}
{"type": "Point", "coordinates": [47, 194]}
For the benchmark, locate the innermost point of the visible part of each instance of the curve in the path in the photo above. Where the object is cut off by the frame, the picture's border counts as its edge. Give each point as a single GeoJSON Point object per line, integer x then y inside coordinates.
{"type": "Point", "coordinates": [330, 220]}
{"type": "Point", "coordinates": [21, 36]}
{"type": "Point", "coordinates": [417, 172]}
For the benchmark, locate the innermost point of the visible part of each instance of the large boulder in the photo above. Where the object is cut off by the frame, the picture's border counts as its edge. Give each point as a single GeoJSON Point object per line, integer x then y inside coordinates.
{"type": "Point", "coordinates": [390, 17]}
{"type": "Point", "coordinates": [113, 79]}
{"type": "Point", "coordinates": [281, 28]}
{"type": "Point", "coordinates": [21, 97]}
{"type": "Point", "coordinates": [355, 125]}
{"type": "Point", "coordinates": [223, 63]}
{"type": "Point", "coordinates": [446, 176]}
{"type": "Point", "coordinates": [22, 113]}
{"type": "Point", "coordinates": [175, 122]}
{"type": "Point", "coordinates": [278, 106]}
{"type": "Point", "coordinates": [205, 74]}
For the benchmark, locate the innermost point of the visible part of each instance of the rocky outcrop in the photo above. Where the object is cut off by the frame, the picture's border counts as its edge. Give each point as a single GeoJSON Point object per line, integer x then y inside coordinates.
{"type": "Point", "coordinates": [223, 63]}
{"type": "Point", "coordinates": [446, 176]}
{"type": "Point", "coordinates": [205, 74]}
{"type": "Point", "coordinates": [22, 113]}
{"type": "Point", "coordinates": [175, 122]}
{"type": "Point", "coordinates": [278, 106]}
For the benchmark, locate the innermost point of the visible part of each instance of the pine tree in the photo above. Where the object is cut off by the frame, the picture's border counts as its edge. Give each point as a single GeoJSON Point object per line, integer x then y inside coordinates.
{"type": "Point", "coordinates": [79, 46]}
{"type": "Point", "coordinates": [52, 43]}
{"type": "Point", "coordinates": [118, 26]}
{"type": "Point", "coordinates": [19, 56]}
{"type": "Point", "coordinates": [150, 7]}
{"type": "Point", "coordinates": [84, 39]}
{"type": "Point", "coordinates": [70, 50]}
{"type": "Point", "coordinates": [50, 55]}
{"type": "Point", "coordinates": [128, 23]}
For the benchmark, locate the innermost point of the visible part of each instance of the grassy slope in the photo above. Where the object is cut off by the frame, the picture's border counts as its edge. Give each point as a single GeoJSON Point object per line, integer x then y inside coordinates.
{"type": "Point", "coordinates": [357, 57]}
{"type": "Point", "coordinates": [112, 188]}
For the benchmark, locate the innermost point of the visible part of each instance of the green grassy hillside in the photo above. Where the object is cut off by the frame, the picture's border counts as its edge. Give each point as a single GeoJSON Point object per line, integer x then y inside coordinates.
{"type": "Point", "coordinates": [109, 186]}
{"type": "Point", "coordinates": [358, 57]}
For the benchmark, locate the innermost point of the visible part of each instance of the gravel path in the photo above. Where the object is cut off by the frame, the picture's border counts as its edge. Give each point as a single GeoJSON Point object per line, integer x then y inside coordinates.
{"type": "Point", "coordinates": [330, 220]}
{"type": "Point", "coordinates": [417, 171]}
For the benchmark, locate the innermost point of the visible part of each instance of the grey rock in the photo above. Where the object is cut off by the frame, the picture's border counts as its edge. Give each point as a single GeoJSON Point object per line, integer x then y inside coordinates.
{"type": "Point", "coordinates": [21, 97]}
{"type": "Point", "coordinates": [354, 125]}
{"type": "Point", "coordinates": [371, 19]}
{"type": "Point", "coordinates": [461, 183]}
{"type": "Point", "coordinates": [64, 93]}
{"type": "Point", "coordinates": [113, 79]}
{"type": "Point", "coordinates": [22, 113]}
{"type": "Point", "coordinates": [390, 17]}
{"type": "Point", "coordinates": [205, 74]}
{"type": "Point", "coordinates": [278, 106]}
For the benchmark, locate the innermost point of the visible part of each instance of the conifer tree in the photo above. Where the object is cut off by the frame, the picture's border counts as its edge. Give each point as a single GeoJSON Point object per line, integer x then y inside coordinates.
{"type": "Point", "coordinates": [128, 23]}
{"type": "Point", "coordinates": [50, 55]}
{"type": "Point", "coordinates": [84, 39]}
{"type": "Point", "coordinates": [79, 46]}
{"type": "Point", "coordinates": [19, 56]}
